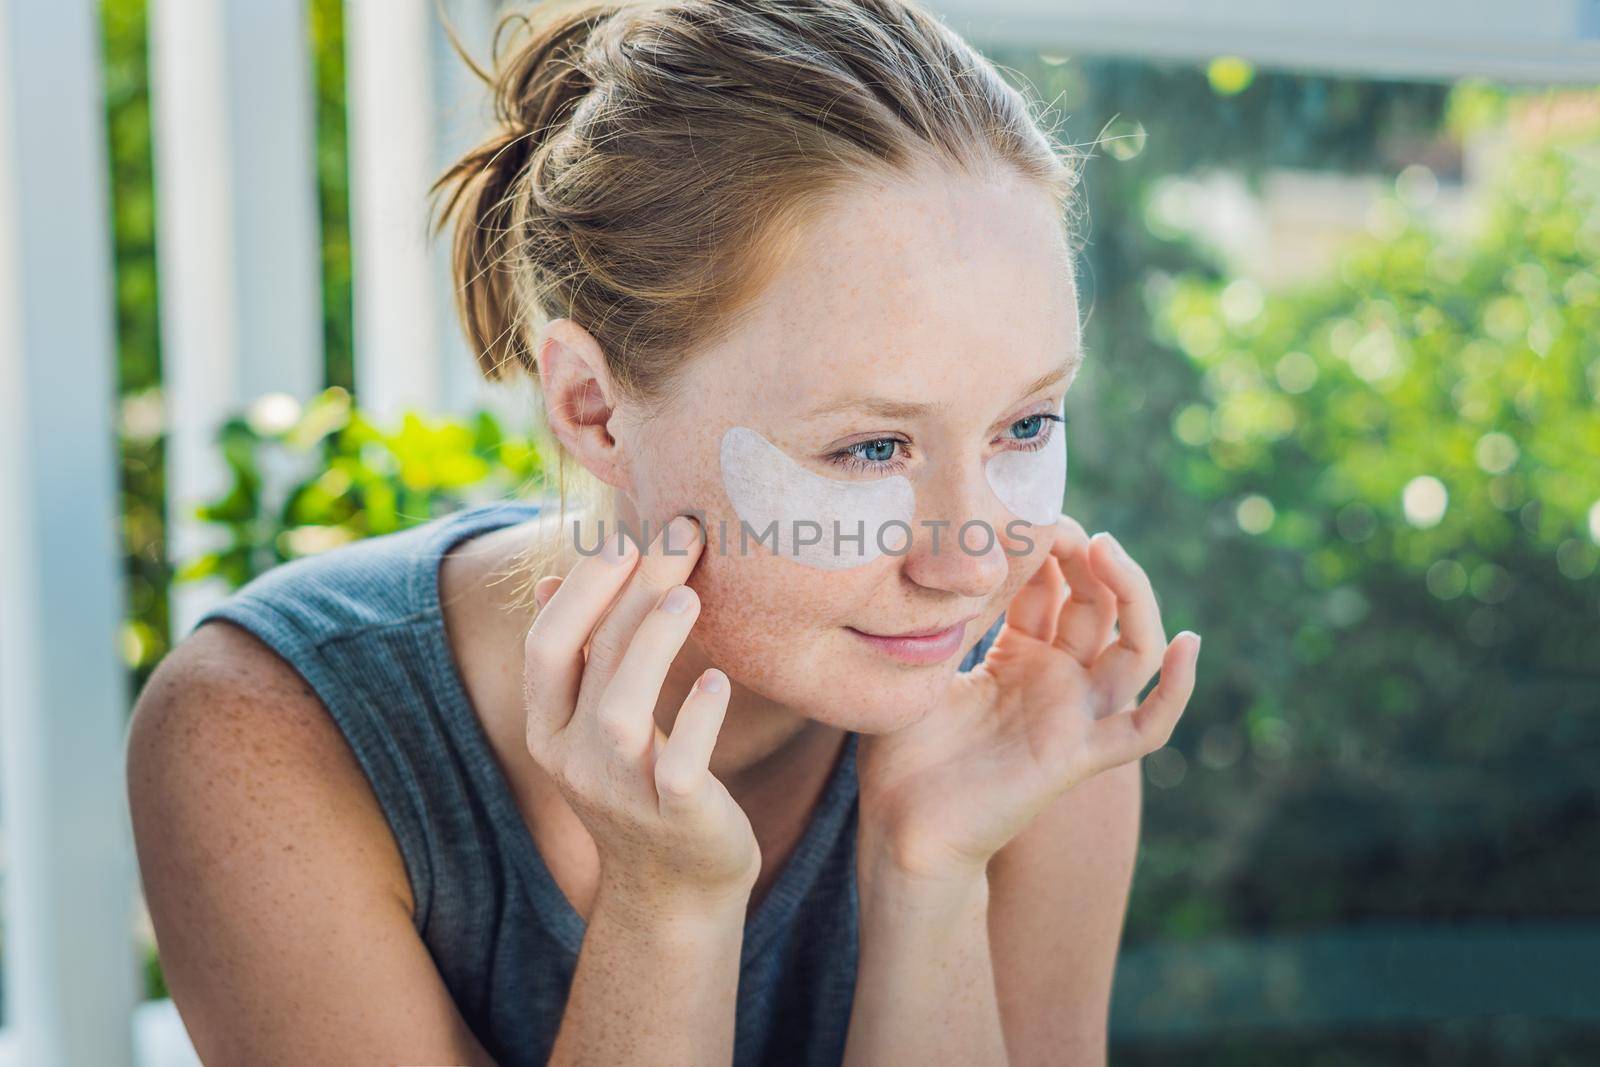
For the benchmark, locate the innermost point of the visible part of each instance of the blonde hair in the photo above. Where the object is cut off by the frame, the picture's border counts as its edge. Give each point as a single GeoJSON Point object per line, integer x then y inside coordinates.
{"type": "Point", "coordinates": [656, 160]}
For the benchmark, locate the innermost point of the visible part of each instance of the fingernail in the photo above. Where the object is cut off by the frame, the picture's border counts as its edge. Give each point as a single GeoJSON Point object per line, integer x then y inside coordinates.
{"type": "Point", "coordinates": [1116, 546]}
{"type": "Point", "coordinates": [680, 535]}
{"type": "Point", "coordinates": [678, 599]}
{"type": "Point", "coordinates": [711, 681]}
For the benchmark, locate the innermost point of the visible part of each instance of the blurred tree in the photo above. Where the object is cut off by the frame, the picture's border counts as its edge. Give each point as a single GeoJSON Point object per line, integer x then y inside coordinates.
{"type": "Point", "coordinates": [333, 189]}
{"type": "Point", "coordinates": [1404, 457]}
{"type": "Point", "coordinates": [133, 220]}
{"type": "Point", "coordinates": [1378, 498]}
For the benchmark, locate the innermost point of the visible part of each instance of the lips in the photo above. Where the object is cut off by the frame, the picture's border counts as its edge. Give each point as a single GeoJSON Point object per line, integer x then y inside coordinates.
{"type": "Point", "coordinates": [919, 648]}
{"type": "Point", "coordinates": [926, 631]}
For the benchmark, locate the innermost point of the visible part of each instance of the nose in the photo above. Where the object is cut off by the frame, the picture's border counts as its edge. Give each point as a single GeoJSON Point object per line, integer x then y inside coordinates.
{"type": "Point", "coordinates": [957, 539]}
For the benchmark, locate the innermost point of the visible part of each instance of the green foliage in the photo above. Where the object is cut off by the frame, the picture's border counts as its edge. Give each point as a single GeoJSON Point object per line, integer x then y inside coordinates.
{"type": "Point", "coordinates": [1392, 478]}
{"type": "Point", "coordinates": [333, 188]}
{"type": "Point", "coordinates": [305, 482]}
{"type": "Point", "coordinates": [1468, 366]}
{"type": "Point", "coordinates": [133, 220]}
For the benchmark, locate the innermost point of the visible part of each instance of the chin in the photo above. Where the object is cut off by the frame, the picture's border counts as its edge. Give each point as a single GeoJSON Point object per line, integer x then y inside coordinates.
{"type": "Point", "coordinates": [864, 691]}
{"type": "Point", "coordinates": [885, 717]}
{"type": "Point", "coordinates": [880, 711]}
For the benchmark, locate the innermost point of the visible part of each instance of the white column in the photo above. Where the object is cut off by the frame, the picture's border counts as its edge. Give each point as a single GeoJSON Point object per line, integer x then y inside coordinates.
{"type": "Point", "coordinates": [413, 107]}
{"type": "Point", "coordinates": [71, 974]}
{"type": "Point", "coordinates": [238, 252]}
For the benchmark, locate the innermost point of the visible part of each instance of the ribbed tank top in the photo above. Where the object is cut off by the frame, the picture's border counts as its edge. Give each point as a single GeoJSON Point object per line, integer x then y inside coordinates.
{"type": "Point", "coordinates": [362, 624]}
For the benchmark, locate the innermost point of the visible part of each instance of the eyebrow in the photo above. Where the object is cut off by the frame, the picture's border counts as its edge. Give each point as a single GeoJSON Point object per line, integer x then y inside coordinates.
{"type": "Point", "coordinates": [900, 409]}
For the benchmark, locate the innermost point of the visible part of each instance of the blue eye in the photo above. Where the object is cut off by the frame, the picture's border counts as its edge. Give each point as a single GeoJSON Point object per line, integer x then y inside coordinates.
{"type": "Point", "coordinates": [870, 455]}
{"type": "Point", "coordinates": [1042, 431]}
{"type": "Point", "coordinates": [878, 455]}
{"type": "Point", "coordinates": [873, 450]}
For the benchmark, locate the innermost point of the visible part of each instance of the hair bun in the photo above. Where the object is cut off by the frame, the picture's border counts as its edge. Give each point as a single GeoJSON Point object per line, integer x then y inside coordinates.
{"type": "Point", "coordinates": [653, 162]}
{"type": "Point", "coordinates": [535, 90]}
{"type": "Point", "coordinates": [546, 76]}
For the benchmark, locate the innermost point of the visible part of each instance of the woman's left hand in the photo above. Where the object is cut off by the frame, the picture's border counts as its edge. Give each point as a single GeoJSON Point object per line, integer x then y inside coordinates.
{"type": "Point", "coordinates": [1051, 705]}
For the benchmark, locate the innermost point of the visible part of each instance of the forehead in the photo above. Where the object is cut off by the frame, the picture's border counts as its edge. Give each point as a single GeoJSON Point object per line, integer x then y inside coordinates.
{"type": "Point", "coordinates": [912, 290]}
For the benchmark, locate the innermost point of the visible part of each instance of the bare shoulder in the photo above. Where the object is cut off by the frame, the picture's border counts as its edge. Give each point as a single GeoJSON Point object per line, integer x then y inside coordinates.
{"type": "Point", "coordinates": [279, 898]}
{"type": "Point", "coordinates": [224, 707]}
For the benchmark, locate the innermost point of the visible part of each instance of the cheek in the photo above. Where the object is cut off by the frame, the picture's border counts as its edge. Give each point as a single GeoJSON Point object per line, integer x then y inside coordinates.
{"type": "Point", "coordinates": [1022, 567]}
{"type": "Point", "coordinates": [672, 476]}
{"type": "Point", "coordinates": [763, 619]}
{"type": "Point", "coordinates": [758, 596]}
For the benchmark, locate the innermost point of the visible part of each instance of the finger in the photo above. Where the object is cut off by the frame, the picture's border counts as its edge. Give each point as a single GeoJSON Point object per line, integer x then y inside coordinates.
{"type": "Point", "coordinates": [552, 653]}
{"type": "Point", "coordinates": [545, 588]}
{"type": "Point", "coordinates": [683, 768]}
{"type": "Point", "coordinates": [1034, 608]}
{"type": "Point", "coordinates": [1083, 626]}
{"type": "Point", "coordinates": [624, 711]}
{"type": "Point", "coordinates": [666, 562]}
{"type": "Point", "coordinates": [1124, 666]}
{"type": "Point", "coordinates": [1128, 735]}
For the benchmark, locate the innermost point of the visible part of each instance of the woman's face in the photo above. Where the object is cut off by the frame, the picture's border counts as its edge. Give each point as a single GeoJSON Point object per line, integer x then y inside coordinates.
{"type": "Point", "coordinates": [949, 299]}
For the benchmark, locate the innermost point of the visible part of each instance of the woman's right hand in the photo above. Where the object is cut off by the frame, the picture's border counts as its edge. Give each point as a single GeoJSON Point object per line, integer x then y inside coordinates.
{"type": "Point", "coordinates": [668, 833]}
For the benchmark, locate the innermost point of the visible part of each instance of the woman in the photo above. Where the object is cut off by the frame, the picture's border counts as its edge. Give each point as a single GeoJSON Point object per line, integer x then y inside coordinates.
{"type": "Point", "coordinates": [802, 260]}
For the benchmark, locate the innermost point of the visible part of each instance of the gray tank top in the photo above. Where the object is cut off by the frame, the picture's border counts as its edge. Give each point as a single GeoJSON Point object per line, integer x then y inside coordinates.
{"type": "Point", "coordinates": [362, 625]}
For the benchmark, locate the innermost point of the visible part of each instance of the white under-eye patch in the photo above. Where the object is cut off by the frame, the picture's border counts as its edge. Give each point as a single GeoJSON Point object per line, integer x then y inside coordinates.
{"type": "Point", "coordinates": [820, 522]}
{"type": "Point", "coordinates": [1031, 484]}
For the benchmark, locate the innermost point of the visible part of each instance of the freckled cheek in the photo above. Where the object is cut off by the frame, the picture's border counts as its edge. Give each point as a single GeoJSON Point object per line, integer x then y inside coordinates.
{"type": "Point", "coordinates": [743, 586]}
{"type": "Point", "coordinates": [759, 595]}
{"type": "Point", "coordinates": [763, 623]}
{"type": "Point", "coordinates": [1023, 567]}
{"type": "Point", "coordinates": [670, 480]}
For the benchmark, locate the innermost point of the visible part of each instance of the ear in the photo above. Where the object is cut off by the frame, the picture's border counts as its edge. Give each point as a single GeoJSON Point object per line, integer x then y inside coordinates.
{"type": "Point", "coordinates": [580, 400]}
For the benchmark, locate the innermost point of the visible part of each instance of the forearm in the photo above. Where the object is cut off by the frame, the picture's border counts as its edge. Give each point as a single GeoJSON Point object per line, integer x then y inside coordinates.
{"type": "Point", "coordinates": [925, 989]}
{"type": "Point", "coordinates": [653, 985]}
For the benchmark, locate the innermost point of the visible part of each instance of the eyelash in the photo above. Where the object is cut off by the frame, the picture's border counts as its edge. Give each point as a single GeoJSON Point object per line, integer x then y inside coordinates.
{"type": "Point", "coordinates": [849, 460]}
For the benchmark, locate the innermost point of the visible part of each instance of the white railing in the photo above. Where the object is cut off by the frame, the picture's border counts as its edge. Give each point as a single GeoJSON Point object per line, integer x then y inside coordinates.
{"type": "Point", "coordinates": [233, 137]}
{"type": "Point", "coordinates": [69, 877]}
{"type": "Point", "coordinates": [413, 106]}
{"type": "Point", "coordinates": [241, 317]}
